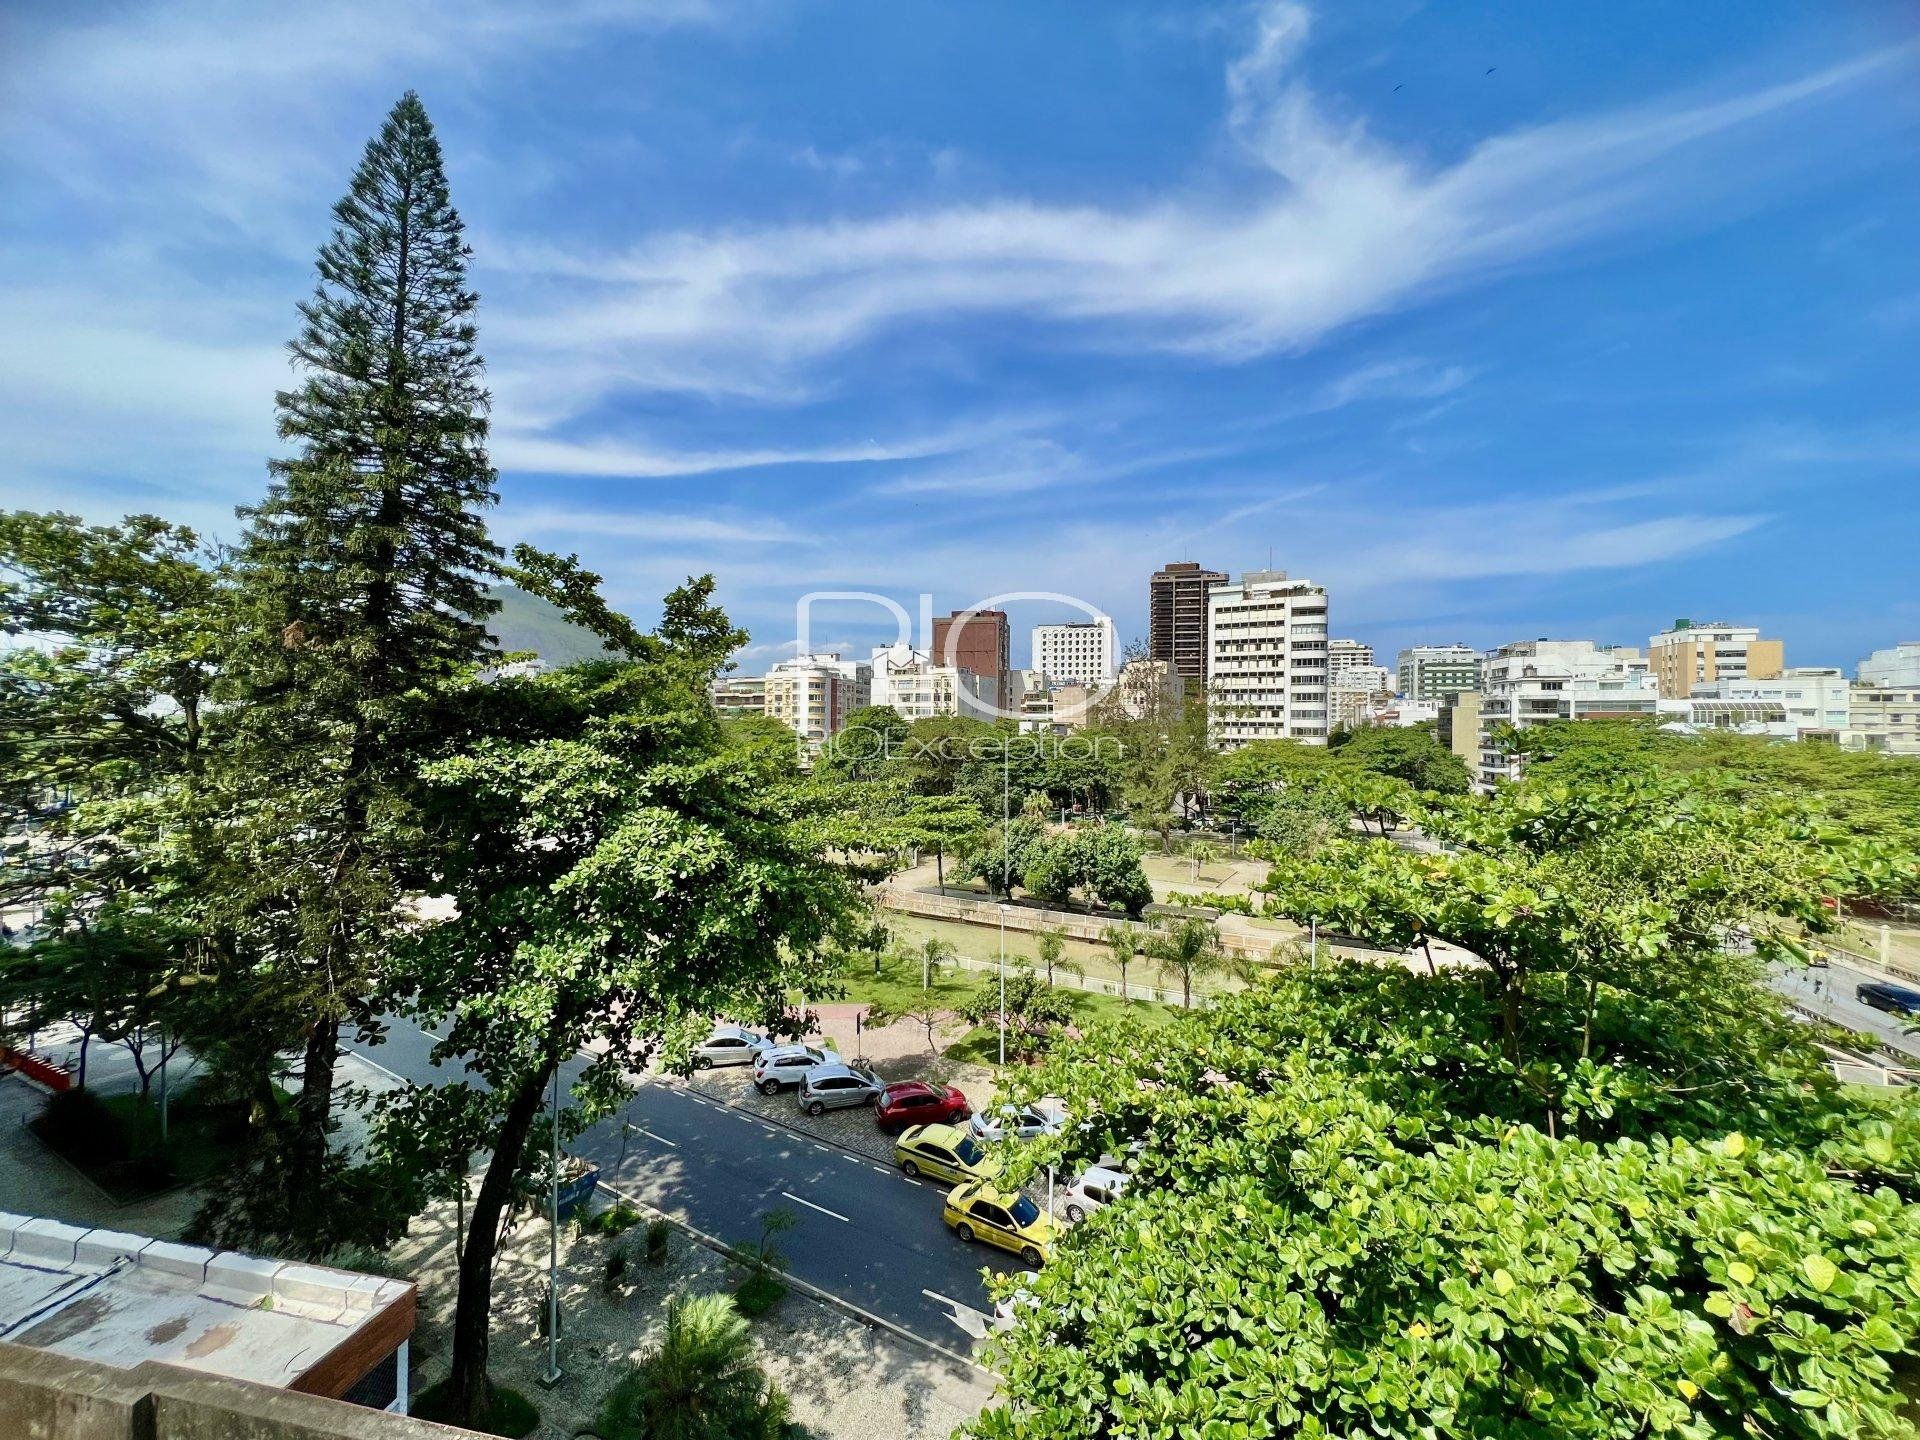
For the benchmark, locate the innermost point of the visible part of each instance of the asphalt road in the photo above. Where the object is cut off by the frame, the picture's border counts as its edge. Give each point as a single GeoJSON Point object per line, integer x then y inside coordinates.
{"type": "Point", "coordinates": [1829, 993]}
{"type": "Point", "coordinates": [866, 1234]}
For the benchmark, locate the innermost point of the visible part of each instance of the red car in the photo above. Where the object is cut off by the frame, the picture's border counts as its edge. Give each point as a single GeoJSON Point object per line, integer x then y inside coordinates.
{"type": "Point", "coordinates": [914, 1102]}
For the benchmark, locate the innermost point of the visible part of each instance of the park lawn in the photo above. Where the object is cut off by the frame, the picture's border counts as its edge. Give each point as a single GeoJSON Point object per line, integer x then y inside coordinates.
{"type": "Point", "coordinates": [896, 988]}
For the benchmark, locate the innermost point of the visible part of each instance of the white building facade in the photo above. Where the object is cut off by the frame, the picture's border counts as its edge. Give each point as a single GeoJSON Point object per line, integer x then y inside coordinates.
{"type": "Point", "coordinates": [1433, 672]}
{"type": "Point", "coordinates": [909, 681]}
{"type": "Point", "coordinates": [1083, 653]}
{"type": "Point", "coordinates": [812, 695]}
{"type": "Point", "coordinates": [1804, 703]}
{"type": "Point", "coordinates": [1885, 718]}
{"type": "Point", "coordinates": [1359, 694]}
{"type": "Point", "coordinates": [1345, 655]}
{"type": "Point", "coordinates": [1267, 660]}
{"type": "Point", "coordinates": [1532, 681]}
{"type": "Point", "coordinates": [1894, 668]}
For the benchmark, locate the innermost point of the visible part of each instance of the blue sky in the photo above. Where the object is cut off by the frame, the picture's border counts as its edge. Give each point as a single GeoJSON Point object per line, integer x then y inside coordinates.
{"type": "Point", "coordinates": [1499, 320]}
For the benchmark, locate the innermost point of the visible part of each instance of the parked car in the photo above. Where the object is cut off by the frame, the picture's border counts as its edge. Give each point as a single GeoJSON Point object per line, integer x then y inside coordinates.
{"type": "Point", "coordinates": [834, 1086]}
{"type": "Point", "coordinates": [1013, 1222]}
{"type": "Point", "coordinates": [779, 1066]}
{"type": "Point", "coordinates": [729, 1045]}
{"type": "Point", "coordinates": [943, 1152]}
{"type": "Point", "coordinates": [1894, 999]}
{"type": "Point", "coordinates": [1006, 1311]}
{"type": "Point", "coordinates": [1095, 1188]}
{"type": "Point", "coordinates": [914, 1102]}
{"type": "Point", "coordinates": [1023, 1122]}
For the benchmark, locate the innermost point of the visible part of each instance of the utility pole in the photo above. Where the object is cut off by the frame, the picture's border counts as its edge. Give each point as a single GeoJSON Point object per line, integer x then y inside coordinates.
{"type": "Point", "coordinates": [1006, 878]}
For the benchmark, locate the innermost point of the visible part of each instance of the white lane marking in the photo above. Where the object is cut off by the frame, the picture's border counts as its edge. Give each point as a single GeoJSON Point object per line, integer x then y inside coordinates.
{"type": "Point", "coordinates": [661, 1138]}
{"type": "Point", "coordinates": [975, 1324]}
{"type": "Point", "coordinates": [881, 1168]}
{"type": "Point", "coordinates": [949, 1300]}
{"type": "Point", "coordinates": [821, 1208]}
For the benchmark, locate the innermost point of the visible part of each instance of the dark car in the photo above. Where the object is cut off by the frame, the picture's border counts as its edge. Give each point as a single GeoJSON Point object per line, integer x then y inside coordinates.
{"type": "Point", "coordinates": [914, 1102]}
{"type": "Point", "coordinates": [1894, 999]}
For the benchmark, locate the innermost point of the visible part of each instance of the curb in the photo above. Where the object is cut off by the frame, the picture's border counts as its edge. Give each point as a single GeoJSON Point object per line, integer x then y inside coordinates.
{"type": "Point", "coordinates": [812, 1291]}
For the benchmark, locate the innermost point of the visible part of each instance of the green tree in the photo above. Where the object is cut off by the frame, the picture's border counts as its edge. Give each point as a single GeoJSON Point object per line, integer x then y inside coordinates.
{"type": "Point", "coordinates": [1123, 943]}
{"type": "Point", "coordinates": [1408, 753]}
{"type": "Point", "coordinates": [1002, 854]}
{"type": "Point", "coordinates": [615, 872]}
{"type": "Point", "coordinates": [1050, 948]}
{"type": "Point", "coordinates": [701, 1383]}
{"type": "Point", "coordinates": [1189, 948]}
{"type": "Point", "coordinates": [364, 577]}
{"type": "Point", "coordinates": [1034, 1010]}
{"type": "Point", "coordinates": [1110, 867]}
{"type": "Point", "coordinates": [1052, 869]}
{"type": "Point", "coordinates": [867, 746]}
{"type": "Point", "coordinates": [943, 823]}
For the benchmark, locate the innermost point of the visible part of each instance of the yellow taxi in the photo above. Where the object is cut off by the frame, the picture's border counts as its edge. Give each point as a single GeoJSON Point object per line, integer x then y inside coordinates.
{"type": "Point", "coordinates": [943, 1152]}
{"type": "Point", "coordinates": [1013, 1222]}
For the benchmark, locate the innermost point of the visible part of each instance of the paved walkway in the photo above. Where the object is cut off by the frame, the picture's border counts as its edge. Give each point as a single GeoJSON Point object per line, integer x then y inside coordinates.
{"type": "Point", "coordinates": [35, 1181]}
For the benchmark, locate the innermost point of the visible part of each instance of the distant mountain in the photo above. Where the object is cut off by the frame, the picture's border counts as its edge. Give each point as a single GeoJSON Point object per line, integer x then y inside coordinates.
{"type": "Point", "coordinates": [526, 622]}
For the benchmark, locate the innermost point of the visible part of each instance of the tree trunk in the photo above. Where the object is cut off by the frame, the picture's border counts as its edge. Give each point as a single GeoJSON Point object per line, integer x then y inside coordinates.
{"type": "Point", "coordinates": [940, 868]}
{"type": "Point", "coordinates": [315, 1108]}
{"type": "Point", "coordinates": [86, 1039]}
{"type": "Point", "coordinates": [472, 1309]}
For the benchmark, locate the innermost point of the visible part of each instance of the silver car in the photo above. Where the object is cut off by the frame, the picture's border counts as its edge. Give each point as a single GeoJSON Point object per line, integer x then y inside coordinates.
{"type": "Point", "coordinates": [835, 1086]}
{"type": "Point", "coordinates": [729, 1045]}
{"type": "Point", "coordinates": [779, 1066]}
{"type": "Point", "coordinates": [1022, 1122]}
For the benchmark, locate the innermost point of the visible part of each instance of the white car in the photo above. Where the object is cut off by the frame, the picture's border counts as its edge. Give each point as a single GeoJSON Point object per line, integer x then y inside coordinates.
{"type": "Point", "coordinates": [1096, 1188]}
{"type": "Point", "coordinates": [779, 1066]}
{"type": "Point", "coordinates": [1006, 1311]}
{"type": "Point", "coordinates": [1023, 1122]}
{"type": "Point", "coordinates": [729, 1045]}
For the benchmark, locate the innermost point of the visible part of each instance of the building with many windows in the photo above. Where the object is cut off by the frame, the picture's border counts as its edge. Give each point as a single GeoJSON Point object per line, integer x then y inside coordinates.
{"type": "Point", "coordinates": [1360, 694]}
{"type": "Point", "coordinates": [1267, 660]}
{"type": "Point", "coordinates": [1177, 616]}
{"type": "Point", "coordinates": [916, 687]}
{"type": "Point", "coordinates": [1688, 655]}
{"type": "Point", "coordinates": [1804, 703]}
{"type": "Point", "coordinates": [812, 695]}
{"type": "Point", "coordinates": [1532, 681]}
{"type": "Point", "coordinates": [1433, 672]}
{"type": "Point", "coordinates": [740, 695]}
{"type": "Point", "coordinates": [1082, 653]}
{"type": "Point", "coordinates": [1884, 717]}
{"type": "Point", "coordinates": [1345, 655]}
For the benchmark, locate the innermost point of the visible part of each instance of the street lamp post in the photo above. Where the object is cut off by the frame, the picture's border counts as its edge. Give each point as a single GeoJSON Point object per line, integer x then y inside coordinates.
{"type": "Point", "coordinates": [553, 1375]}
{"type": "Point", "coordinates": [1006, 877]}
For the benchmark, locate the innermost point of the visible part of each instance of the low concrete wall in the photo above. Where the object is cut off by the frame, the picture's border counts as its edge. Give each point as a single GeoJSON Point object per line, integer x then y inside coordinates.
{"type": "Point", "coordinates": [45, 1396]}
{"type": "Point", "coordinates": [1077, 923]}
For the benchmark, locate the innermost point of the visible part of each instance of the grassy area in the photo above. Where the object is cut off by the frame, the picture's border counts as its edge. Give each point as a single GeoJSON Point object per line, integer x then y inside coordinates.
{"type": "Point", "coordinates": [982, 942]}
{"type": "Point", "coordinates": [896, 988]}
{"type": "Point", "coordinates": [509, 1413]}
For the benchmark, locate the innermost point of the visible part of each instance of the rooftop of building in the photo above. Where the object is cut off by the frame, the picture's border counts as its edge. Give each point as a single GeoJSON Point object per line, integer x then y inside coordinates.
{"type": "Point", "coordinates": [120, 1299]}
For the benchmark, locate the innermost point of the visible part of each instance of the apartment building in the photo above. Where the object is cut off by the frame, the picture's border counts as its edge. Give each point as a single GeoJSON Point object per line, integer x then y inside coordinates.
{"type": "Point", "coordinates": [977, 641]}
{"type": "Point", "coordinates": [1688, 655]}
{"type": "Point", "coordinates": [1081, 653]}
{"type": "Point", "coordinates": [1884, 717]}
{"type": "Point", "coordinates": [1895, 668]}
{"type": "Point", "coordinates": [1459, 727]}
{"type": "Point", "coordinates": [1360, 694]}
{"type": "Point", "coordinates": [812, 695]}
{"type": "Point", "coordinates": [1177, 616]}
{"type": "Point", "coordinates": [919, 689]}
{"type": "Point", "coordinates": [1344, 655]}
{"type": "Point", "coordinates": [1035, 692]}
{"type": "Point", "coordinates": [1803, 703]}
{"type": "Point", "coordinates": [1532, 681]}
{"type": "Point", "coordinates": [740, 695]}
{"type": "Point", "coordinates": [1433, 672]}
{"type": "Point", "coordinates": [1267, 660]}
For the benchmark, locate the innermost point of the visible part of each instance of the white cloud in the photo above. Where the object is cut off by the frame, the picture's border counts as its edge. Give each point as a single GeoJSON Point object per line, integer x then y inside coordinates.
{"type": "Point", "coordinates": [652, 527]}
{"type": "Point", "coordinates": [1337, 226]}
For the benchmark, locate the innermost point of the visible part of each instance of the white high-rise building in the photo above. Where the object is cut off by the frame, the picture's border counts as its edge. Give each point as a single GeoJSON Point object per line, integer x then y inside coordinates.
{"type": "Point", "coordinates": [909, 681]}
{"type": "Point", "coordinates": [1345, 655]}
{"type": "Point", "coordinates": [1532, 681]}
{"type": "Point", "coordinates": [1267, 660]}
{"type": "Point", "coordinates": [1433, 672]}
{"type": "Point", "coordinates": [813, 695]}
{"type": "Point", "coordinates": [1082, 653]}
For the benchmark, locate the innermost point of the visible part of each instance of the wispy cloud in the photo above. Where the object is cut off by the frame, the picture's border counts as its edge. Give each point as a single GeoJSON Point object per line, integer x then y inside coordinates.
{"type": "Point", "coordinates": [1338, 226]}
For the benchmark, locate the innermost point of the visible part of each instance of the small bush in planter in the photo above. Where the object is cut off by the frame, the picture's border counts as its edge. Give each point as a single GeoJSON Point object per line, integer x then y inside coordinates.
{"type": "Point", "coordinates": [657, 1233]}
